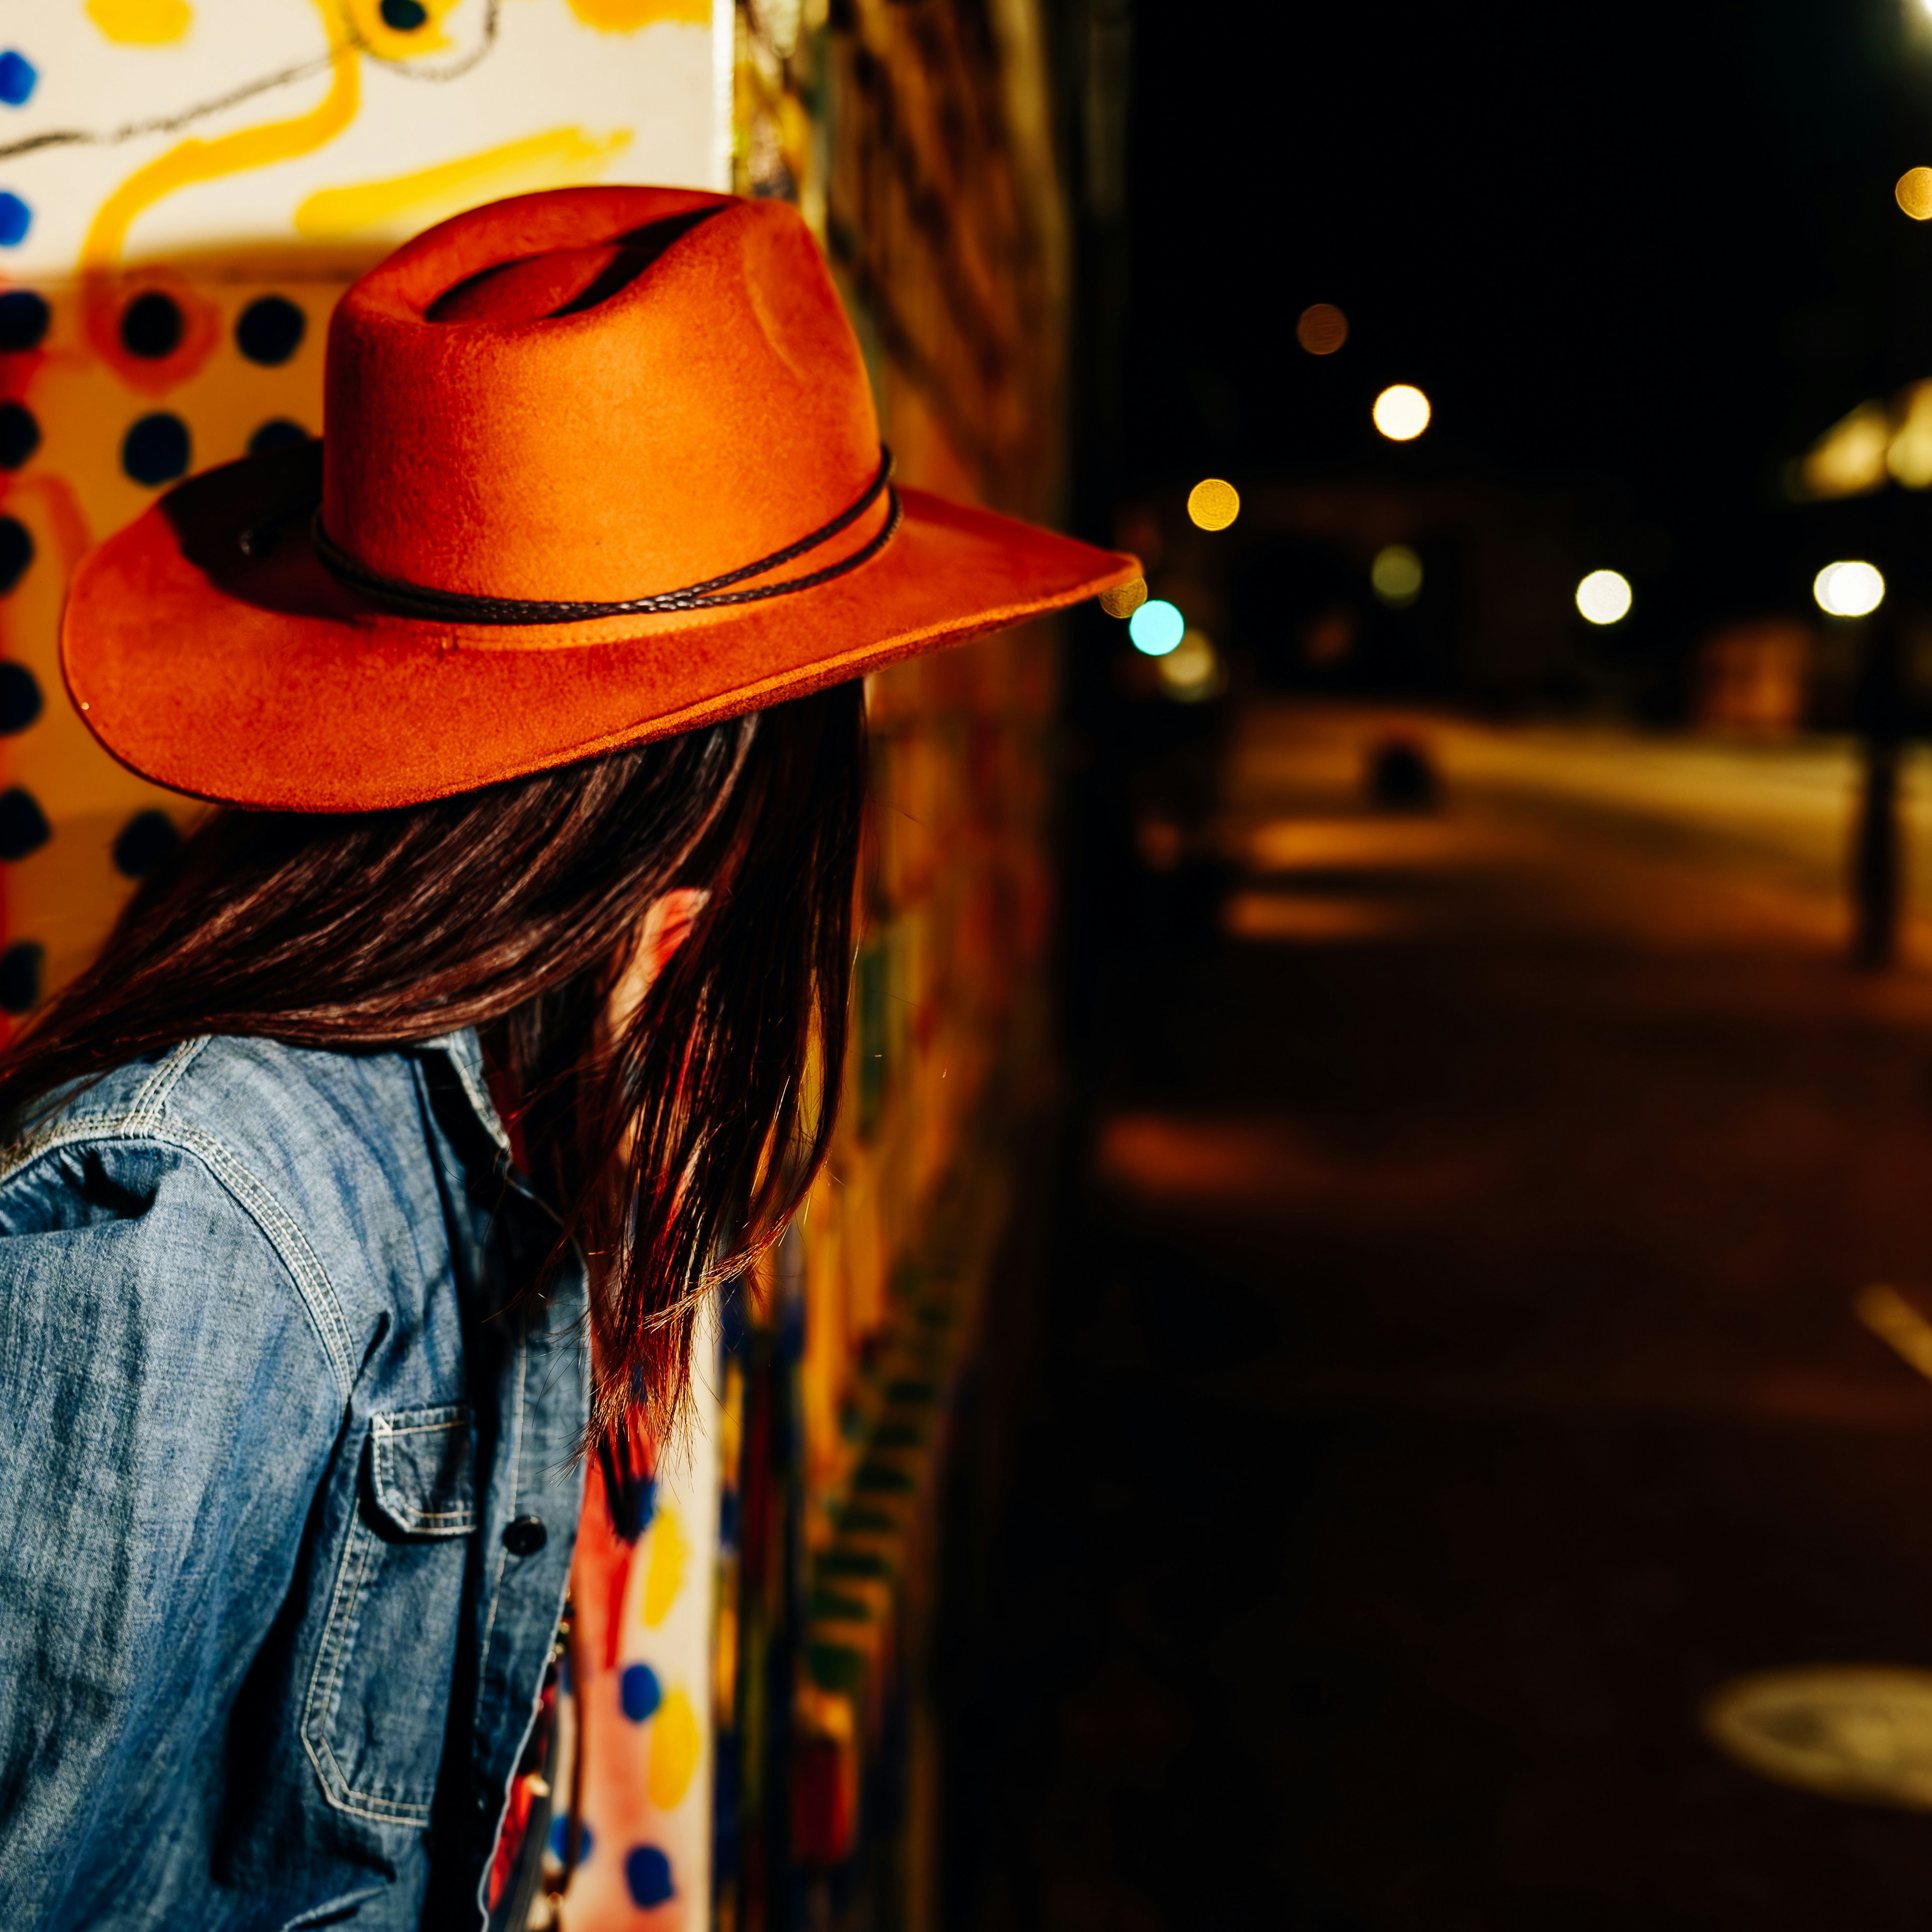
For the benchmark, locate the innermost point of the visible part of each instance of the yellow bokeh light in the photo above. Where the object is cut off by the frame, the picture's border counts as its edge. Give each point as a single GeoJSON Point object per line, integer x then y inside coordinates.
{"type": "Point", "coordinates": [1192, 670]}
{"type": "Point", "coordinates": [1322, 329]}
{"type": "Point", "coordinates": [1913, 193]}
{"type": "Point", "coordinates": [1396, 575]}
{"type": "Point", "coordinates": [1213, 504]}
{"type": "Point", "coordinates": [1124, 599]}
{"type": "Point", "coordinates": [1402, 412]}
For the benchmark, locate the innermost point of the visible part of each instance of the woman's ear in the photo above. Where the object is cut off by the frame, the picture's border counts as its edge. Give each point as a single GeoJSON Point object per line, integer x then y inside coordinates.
{"type": "Point", "coordinates": [667, 926]}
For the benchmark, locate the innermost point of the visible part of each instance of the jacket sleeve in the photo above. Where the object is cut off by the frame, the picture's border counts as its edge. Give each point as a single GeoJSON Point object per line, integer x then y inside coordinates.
{"type": "Point", "coordinates": [167, 1411]}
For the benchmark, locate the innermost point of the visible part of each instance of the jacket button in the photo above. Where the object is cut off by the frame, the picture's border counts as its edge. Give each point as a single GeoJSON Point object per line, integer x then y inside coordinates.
{"type": "Point", "coordinates": [525, 1535]}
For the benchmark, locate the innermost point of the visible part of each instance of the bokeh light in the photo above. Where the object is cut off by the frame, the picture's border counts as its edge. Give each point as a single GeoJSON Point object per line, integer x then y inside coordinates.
{"type": "Point", "coordinates": [1604, 597]}
{"type": "Point", "coordinates": [1402, 412]}
{"type": "Point", "coordinates": [1124, 599]}
{"type": "Point", "coordinates": [1396, 575]}
{"type": "Point", "coordinates": [1192, 670]}
{"type": "Point", "coordinates": [1851, 589]}
{"type": "Point", "coordinates": [1913, 193]}
{"type": "Point", "coordinates": [1156, 627]}
{"type": "Point", "coordinates": [1213, 505]}
{"type": "Point", "coordinates": [1322, 329]}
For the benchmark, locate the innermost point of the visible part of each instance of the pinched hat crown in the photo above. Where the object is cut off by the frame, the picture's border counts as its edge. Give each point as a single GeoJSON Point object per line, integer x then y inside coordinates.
{"type": "Point", "coordinates": [612, 395]}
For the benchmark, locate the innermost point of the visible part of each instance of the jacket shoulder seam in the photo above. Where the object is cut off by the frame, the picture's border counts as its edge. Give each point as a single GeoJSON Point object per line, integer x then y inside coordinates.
{"type": "Point", "coordinates": [253, 1196]}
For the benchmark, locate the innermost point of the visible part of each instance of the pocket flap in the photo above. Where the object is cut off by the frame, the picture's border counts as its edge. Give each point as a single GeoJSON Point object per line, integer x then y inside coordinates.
{"type": "Point", "coordinates": [422, 1469]}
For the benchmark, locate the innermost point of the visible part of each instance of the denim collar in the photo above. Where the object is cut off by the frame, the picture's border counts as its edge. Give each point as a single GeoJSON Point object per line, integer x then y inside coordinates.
{"type": "Point", "coordinates": [464, 1052]}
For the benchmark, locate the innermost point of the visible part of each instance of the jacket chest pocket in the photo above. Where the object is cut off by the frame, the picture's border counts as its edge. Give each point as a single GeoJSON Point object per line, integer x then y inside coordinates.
{"type": "Point", "coordinates": [378, 1699]}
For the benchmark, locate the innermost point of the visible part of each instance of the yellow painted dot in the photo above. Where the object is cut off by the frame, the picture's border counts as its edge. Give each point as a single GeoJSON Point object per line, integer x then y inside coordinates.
{"type": "Point", "coordinates": [664, 1572]}
{"type": "Point", "coordinates": [141, 23]}
{"type": "Point", "coordinates": [1124, 599]}
{"type": "Point", "coordinates": [1213, 504]}
{"type": "Point", "coordinates": [674, 1748]}
{"type": "Point", "coordinates": [1913, 192]}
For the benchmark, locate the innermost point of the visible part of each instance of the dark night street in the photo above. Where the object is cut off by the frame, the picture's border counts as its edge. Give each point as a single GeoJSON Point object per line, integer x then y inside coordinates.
{"type": "Point", "coordinates": [1457, 1374]}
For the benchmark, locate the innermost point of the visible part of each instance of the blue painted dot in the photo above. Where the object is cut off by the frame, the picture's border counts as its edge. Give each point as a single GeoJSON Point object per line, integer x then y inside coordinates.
{"type": "Point", "coordinates": [20, 966]}
{"type": "Point", "coordinates": [24, 316]}
{"type": "Point", "coordinates": [19, 435]}
{"type": "Point", "coordinates": [404, 17]}
{"type": "Point", "coordinates": [17, 552]}
{"type": "Point", "coordinates": [647, 1873]}
{"type": "Point", "coordinates": [559, 1840]}
{"type": "Point", "coordinates": [639, 1692]}
{"type": "Point", "coordinates": [15, 218]}
{"type": "Point", "coordinates": [23, 825]}
{"type": "Point", "coordinates": [17, 76]}
{"type": "Point", "coordinates": [278, 433]}
{"type": "Point", "coordinates": [156, 448]}
{"type": "Point", "coordinates": [146, 842]}
{"type": "Point", "coordinates": [19, 698]}
{"type": "Point", "coordinates": [270, 330]}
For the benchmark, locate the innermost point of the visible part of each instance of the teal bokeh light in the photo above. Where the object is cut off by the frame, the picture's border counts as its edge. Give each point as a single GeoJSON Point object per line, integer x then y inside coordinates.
{"type": "Point", "coordinates": [1156, 628]}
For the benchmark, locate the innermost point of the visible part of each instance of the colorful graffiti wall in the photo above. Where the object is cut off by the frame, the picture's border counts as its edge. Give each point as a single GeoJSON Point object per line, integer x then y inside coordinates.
{"type": "Point", "coordinates": [185, 187]}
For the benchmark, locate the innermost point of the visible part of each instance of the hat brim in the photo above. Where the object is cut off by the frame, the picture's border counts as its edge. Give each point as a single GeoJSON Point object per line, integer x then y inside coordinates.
{"type": "Point", "coordinates": [264, 682]}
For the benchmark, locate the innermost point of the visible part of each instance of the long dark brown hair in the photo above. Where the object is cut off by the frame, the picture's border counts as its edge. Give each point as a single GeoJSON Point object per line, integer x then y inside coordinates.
{"type": "Point", "coordinates": [674, 1145]}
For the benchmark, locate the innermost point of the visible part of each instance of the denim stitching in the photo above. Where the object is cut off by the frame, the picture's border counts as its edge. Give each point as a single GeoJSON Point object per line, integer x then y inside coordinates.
{"type": "Point", "coordinates": [337, 1791]}
{"type": "Point", "coordinates": [162, 1082]}
{"type": "Point", "coordinates": [282, 1231]}
{"type": "Point", "coordinates": [326, 1683]}
{"type": "Point", "coordinates": [383, 1431]}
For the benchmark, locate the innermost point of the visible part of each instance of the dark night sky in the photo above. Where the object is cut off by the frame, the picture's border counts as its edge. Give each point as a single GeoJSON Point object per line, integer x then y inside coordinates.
{"type": "Point", "coordinates": [1653, 245]}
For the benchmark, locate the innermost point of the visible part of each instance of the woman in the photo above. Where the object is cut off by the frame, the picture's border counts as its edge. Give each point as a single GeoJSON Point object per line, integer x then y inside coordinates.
{"type": "Point", "coordinates": [371, 1177]}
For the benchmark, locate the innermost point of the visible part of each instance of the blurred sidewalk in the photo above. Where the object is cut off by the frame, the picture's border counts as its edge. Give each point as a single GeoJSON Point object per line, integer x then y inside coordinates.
{"type": "Point", "coordinates": [1450, 1374]}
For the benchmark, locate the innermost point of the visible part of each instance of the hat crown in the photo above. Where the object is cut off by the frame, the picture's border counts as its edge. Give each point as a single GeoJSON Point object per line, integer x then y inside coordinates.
{"type": "Point", "coordinates": [594, 393]}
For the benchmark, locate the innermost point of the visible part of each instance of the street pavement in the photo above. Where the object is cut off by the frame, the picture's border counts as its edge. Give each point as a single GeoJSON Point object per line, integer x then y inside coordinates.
{"type": "Point", "coordinates": [1447, 1375]}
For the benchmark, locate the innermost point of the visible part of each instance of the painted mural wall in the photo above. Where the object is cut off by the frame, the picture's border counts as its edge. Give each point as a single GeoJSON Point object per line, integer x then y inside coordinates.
{"type": "Point", "coordinates": [185, 187]}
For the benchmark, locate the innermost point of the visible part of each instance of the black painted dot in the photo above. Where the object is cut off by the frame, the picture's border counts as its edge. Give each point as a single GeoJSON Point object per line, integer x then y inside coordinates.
{"type": "Point", "coordinates": [147, 839]}
{"type": "Point", "coordinates": [278, 433]}
{"type": "Point", "coordinates": [19, 435]}
{"type": "Point", "coordinates": [270, 330]}
{"type": "Point", "coordinates": [156, 448]}
{"type": "Point", "coordinates": [151, 326]}
{"type": "Point", "coordinates": [19, 698]}
{"type": "Point", "coordinates": [23, 320]}
{"type": "Point", "coordinates": [23, 825]}
{"type": "Point", "coordinates": [17, 552]}
{"type": "Point", "coordinates": [405, 16]}
{"type": "Point", "coordinates": [20, 976]}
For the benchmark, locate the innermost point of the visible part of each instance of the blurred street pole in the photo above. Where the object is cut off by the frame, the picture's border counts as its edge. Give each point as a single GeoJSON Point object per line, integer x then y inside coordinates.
{"type": "Point", "coordinates": [1878, 844]}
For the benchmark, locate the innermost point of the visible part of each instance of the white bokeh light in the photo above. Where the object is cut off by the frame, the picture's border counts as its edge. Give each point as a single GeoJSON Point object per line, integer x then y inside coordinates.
{"type": "Point", "coordinates": [1851, 589]}
{"type": "Point", "coordinates": [1402, 412]}
{"type": "Point", "coordinates": [1604, 596]}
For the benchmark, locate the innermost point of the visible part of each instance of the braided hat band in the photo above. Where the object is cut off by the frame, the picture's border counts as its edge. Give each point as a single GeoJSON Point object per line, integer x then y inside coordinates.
{"type": "Point", "coordinates": [419, 600]}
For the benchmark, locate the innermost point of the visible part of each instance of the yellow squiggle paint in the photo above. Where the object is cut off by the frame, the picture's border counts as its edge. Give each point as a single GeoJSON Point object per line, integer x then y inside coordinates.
{"type": "Point", "coordinates": [195, 159]}
{"type": "Point", "coordinates": [141, 23]}
{"type": "Point", "coordinates": [560, 157]}
{"type": "Point", "coordinates": [670, 1551]}
{"type": "Point", "coordinates": [626, 17]}
{"type": "Point", "coordinates": [674, 1748]}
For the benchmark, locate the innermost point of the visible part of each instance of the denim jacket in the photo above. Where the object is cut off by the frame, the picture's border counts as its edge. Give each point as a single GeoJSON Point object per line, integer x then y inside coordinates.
{"type": "Point", "coordinates": [289, 1488]}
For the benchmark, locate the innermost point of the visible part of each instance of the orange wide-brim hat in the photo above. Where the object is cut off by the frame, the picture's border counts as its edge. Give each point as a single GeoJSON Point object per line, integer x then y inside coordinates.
{"type": "Point", "coordinates": [597, 466]}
